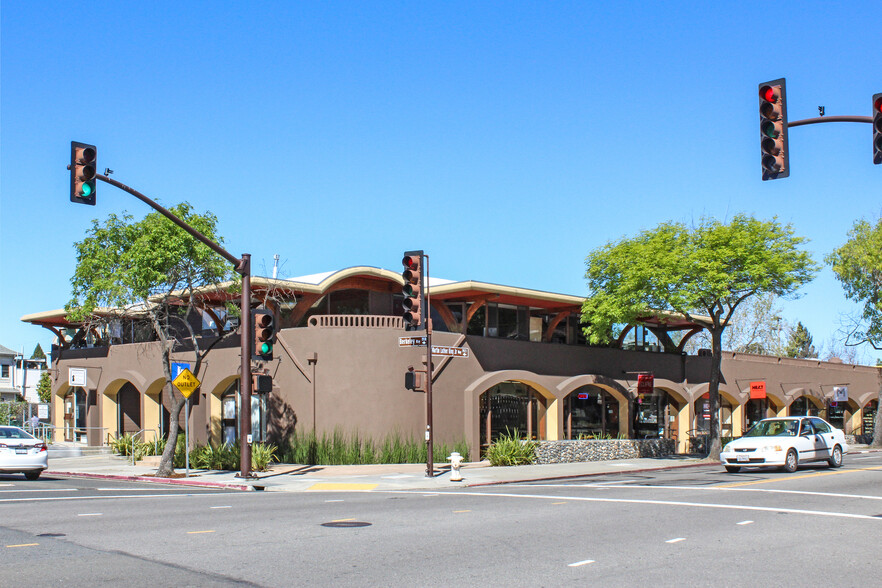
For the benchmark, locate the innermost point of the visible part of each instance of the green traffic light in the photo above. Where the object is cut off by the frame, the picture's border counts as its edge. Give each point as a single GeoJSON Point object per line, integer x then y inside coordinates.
{"type": "Point", "coordinates": [266, 348]}
{"type": "Point", "coordinates": [87, 189]}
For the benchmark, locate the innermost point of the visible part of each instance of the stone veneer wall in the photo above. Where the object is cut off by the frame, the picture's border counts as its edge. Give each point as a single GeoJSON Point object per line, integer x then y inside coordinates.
{"type": "Point", "coordinates": [602, 449]}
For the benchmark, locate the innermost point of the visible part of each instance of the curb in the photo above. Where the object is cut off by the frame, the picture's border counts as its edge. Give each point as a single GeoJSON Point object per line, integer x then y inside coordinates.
{"type": "Point", "coordinates": [590, 475]}
{"type": "Point", "coordinates": [154, 480]}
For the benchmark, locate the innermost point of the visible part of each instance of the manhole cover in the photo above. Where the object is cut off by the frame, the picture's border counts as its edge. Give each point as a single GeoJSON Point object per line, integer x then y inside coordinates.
{"type": "Point", "coordinates": [346, 524]}
{"type": "Point", "coordinates": [51, 535]}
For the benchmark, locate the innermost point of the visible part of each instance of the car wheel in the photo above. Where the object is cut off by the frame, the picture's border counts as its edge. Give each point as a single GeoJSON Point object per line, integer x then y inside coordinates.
{"type": "Point", "coordinates": [32, 475]}
{"type": "Point", "coordinates": [733, 469]}
{"type": "Point", "coordinates": [835, 460]}
{"type": "Point", "coordinates": [791, 461]}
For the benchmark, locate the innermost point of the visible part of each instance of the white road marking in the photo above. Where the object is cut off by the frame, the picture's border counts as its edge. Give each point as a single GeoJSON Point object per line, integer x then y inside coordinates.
{"type": "Point", "coordinates": [581, 563]}
{"type": "Point", "coordinates": [868, 457]}
{"type": "Point", "coordinates": [29, 490]}
{"type": "Point", "coordinates": [220, 507]}
{"type": "Point", "coordinates": [676, 540]}
{"type": "Point", "coordinates": [706, 489]}
{"type": "Point", "coordinates": [114, 497]}
{"type": "Point", "coordinates": [745, 523]}
{"type": "Point", "coordinates": [335, 500]}
{"type": "Point", "coordinates": [817, 513]}
{"type": "Point", "coordinates": [90, 514]}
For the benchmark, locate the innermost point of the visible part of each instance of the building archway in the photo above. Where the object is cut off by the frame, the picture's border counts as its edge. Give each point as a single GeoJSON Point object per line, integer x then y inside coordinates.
{"type": "Point", "coordinates": [513, 406]}
{"type": "Point", "coordinates": [128, 414]}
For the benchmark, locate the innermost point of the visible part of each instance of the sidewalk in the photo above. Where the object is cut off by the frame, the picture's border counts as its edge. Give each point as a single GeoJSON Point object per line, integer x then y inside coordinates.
{"type": "Point", "coordinates": [301, 478]}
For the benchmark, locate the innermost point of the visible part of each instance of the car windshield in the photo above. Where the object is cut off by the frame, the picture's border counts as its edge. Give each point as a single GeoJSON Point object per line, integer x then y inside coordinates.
{"type": "Point", "coordinates": [14, 433]}
{"type": "Point", "coordinates": [774, 428]}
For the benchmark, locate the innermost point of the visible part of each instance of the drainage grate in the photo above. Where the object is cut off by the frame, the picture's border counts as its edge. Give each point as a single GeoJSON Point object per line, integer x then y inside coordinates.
{"type": "Point", "coordinates": [346, 524]}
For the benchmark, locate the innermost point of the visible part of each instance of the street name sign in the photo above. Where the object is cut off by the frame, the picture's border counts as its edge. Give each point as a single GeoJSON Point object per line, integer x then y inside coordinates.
{"type": "Point", "coordinates": [186, 382]}
{"type": "Point", "coordinates": [450, 351]}
{"type": "Point", "coordinates": [412, 341]}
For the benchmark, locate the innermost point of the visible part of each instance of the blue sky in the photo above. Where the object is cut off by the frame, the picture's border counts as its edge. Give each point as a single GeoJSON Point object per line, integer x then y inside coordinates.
{"type": "Point", "coordinates": [523, 135]}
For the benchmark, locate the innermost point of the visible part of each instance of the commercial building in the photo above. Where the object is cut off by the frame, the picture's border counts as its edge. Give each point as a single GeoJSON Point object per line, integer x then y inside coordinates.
{"type": "Point", "coordinates": [524, 364]}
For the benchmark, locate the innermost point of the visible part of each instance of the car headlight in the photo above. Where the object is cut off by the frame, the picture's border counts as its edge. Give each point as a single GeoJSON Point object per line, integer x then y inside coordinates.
{"type": "Point", "coordinates": [776, 448]}
{"type": "Point", "coordinates": [727, 448]}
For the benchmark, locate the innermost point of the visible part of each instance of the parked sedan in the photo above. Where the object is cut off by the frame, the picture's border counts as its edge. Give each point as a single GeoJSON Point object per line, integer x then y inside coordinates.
{"type": "Point", "coordinates": [21, 452]}
{"type": "Point", "coordinates": [786, 442]}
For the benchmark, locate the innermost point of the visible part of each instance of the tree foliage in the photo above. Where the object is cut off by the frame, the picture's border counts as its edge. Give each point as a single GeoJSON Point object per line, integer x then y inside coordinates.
{"type": "Point", "coordinates": [708, 270]}
{"type": "Point", "coordinates": [44, 387]}
{"type": "Point", "coordinates": [38, 353]}
{"type": "Point", "coordinates": [151, 266]}
{"type": "Point", "coordinates": [857, 265]}
{"type": "Point", "coordinates": [799, 343]}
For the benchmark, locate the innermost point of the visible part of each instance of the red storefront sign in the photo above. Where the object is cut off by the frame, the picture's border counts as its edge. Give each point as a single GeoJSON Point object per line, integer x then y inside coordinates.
{"type": "Point", "coordinates": [645, 383]}
{"type": "Point", "coordinates": [757, 390]}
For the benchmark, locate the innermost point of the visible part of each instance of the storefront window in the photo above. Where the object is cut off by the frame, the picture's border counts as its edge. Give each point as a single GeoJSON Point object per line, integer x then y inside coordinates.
{"type": "Point", "coordinates": [507, 408]}
{"type": "Point", "coordinates": [591, 412]}
{"type": "Point", "coordinates": [803, 407]}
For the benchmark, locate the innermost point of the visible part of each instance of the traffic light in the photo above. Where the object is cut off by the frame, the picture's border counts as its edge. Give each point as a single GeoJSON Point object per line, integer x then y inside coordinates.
{"type": "Point", "coordinates": [413, 289]}
{"type": "Point", "coordinates": [264, 326]}
{"type": "Point", "coordinates": [773, 129]}
{"type": "Point", "coordinates": [877, 128]}
{"type": "Point", "coordinates": [82, 173]}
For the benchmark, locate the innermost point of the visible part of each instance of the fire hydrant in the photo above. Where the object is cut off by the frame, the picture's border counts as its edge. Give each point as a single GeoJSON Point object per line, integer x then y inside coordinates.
{"type": "Point", "coordinates": [455, 460]}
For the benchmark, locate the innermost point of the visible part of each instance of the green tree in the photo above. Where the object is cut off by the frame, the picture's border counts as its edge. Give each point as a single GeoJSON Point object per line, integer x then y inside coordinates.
{"type": "Point", "coordinates": [122, 262]}
{"type": "Point", "coordinates": [38, 353]}
{"type": "Point", "coordinates": [857, 265]}
{"type": "Point", "coordinates": [44, 387]}
{"type": "Point", "coordinates": [709, 270]}
{"type": "Point", "coordinates": [799, 343]}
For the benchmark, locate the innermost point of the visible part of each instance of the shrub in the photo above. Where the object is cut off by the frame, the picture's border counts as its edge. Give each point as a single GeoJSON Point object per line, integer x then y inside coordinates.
{"type": "Point", "coordinates": [509, 449]}
{"type": "Point", "coordinates": [262, 455]}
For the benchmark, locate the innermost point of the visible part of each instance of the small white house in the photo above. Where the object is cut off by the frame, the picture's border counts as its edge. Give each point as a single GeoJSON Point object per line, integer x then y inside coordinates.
{"type": "Point", "coordinates": [19, 376]}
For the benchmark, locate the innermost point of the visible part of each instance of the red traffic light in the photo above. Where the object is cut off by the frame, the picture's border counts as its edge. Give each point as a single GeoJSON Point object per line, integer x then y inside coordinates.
{"type": "Point", "coordinates": [773, 130]}
{"type": "Point", "coordinates": [413, 288]}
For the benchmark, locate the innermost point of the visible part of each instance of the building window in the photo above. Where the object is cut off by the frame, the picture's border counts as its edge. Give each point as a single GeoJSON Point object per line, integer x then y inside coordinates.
{"type": "Point", "coordinates": [4, 371]}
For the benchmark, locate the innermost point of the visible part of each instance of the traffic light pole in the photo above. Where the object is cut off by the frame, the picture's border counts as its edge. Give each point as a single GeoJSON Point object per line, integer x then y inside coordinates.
{"type": "Point", "coordinates": [243, 268]}
{"type": "Point", "coordinates": [826, 119]}
{"type": "Point", "coordinates": [430, 433]}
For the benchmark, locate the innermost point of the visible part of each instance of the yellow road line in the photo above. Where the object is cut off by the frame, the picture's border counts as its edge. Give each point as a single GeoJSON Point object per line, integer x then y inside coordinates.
{"type": "Point", "coordinates": [341, 486]}
{"type": "Point", "coordinates": [459, 511]}
{"type": "Point", "coordinates": [558, 503]}
{"type": "Point", "coordinates": [341, 520]}
{"type": "Point", "coordinates": [792, 477]}
{"type": "Point", "coordinates": [198, 532]}
{"type": "Point", "coordinates": [24, 545]}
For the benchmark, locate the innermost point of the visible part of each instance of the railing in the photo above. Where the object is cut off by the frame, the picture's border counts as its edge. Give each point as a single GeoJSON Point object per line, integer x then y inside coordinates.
{"type": "Point", "coordinates": [360, 321]}
{"type": "Point", "coordinates": [52, 434]}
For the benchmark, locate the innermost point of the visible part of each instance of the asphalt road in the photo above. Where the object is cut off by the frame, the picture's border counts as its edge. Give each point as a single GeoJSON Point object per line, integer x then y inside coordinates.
{"type": "Point", "coordinates": [695, 526]}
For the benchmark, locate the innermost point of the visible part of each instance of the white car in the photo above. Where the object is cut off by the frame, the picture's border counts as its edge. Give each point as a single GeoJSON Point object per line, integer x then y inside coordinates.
{"type": "Point", "coordinates": [21, 452]}
{"type": "Point", "coordinates": [786, 442]}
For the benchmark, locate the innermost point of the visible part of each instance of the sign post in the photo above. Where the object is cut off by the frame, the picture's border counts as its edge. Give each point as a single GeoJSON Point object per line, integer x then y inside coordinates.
{"type": "Point", "coordinates": [187, 383]}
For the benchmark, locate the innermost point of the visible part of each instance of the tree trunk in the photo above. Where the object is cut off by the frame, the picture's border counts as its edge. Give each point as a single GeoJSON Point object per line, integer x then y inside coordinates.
{"type": "Point", "coordinates": [713, 389]}
{"type": "Point", "coordinates": [167, 462]}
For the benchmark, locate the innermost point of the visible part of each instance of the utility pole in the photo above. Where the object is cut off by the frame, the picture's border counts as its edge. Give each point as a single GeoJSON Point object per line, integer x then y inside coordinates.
{"type": "Point", "coordinates": [83, 174]}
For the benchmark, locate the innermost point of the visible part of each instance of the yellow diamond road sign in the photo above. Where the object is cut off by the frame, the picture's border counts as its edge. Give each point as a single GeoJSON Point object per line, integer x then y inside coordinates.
{"type": "Point", "coordinates": [186, 382]}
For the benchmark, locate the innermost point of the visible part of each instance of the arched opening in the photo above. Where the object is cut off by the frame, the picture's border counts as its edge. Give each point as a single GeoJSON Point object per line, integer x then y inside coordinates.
{"type": "Point", "coordinates": [726, 415]}
{"type": "Point", "coordinates": [805, 406]}
{"type": "Point", "coordinates": [128, 402]}
{"type": "Point", "coordinates": [839, 415]}
{"type": "Point", "coordinates": [512, 406]}
{"type": "Point", "coordinates": [591, 412]}
{"type": "Point", "coordinates": [229, 417]}
{"type": "Point", "coordinates": [75, 414]}
{"type": "Point", "coordinates": [868, 418]}
{"type": "Point", "coordinates": [656, 415]}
